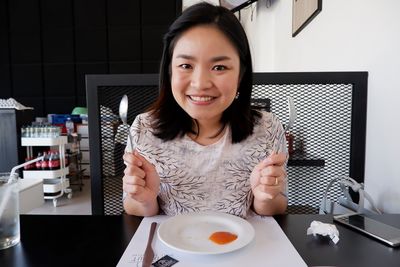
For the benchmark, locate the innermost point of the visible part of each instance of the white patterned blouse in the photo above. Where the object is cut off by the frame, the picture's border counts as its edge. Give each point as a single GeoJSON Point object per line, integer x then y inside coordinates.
{"type": "Point", "coordinates": [215, 177]}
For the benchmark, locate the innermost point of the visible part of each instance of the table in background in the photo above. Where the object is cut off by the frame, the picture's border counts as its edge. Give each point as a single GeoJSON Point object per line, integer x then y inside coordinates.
{"type": "Point", "coordinates": [84, 240]}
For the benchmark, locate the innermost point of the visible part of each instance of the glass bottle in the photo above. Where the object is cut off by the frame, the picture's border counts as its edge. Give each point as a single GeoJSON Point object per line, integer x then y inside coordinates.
{"type": "Point", "coordinates": [69, 125]}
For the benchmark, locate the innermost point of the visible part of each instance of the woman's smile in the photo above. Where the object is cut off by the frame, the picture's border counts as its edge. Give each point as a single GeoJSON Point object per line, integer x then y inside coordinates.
{"type": "Point", "coordinates": [201, 100]}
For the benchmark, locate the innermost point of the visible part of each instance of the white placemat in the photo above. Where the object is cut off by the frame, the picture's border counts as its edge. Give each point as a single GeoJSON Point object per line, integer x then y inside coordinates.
{"type": "Point", "coordinates": [270, 247]}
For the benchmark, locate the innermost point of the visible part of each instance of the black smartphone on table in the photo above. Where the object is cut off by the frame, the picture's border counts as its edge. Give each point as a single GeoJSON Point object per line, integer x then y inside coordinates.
{"type": "Point", "coordinates": [386, 233]}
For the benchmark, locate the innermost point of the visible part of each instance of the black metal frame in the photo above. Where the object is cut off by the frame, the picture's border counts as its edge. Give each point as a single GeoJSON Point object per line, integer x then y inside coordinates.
{"type": "Point", "coordinates": [93, 83]}
{"type": "Point", "coordinates": [359, 80]}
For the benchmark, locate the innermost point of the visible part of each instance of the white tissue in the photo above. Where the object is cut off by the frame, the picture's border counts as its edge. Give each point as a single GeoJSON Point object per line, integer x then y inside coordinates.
{"type": "Point", "coordinates": [324, 229]}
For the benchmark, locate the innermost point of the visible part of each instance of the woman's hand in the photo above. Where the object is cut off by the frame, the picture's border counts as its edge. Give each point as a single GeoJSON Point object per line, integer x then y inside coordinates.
{"type": "Point", "coordinates": [141, 181]}
{"type": "Point", "coordinates": [268, 182]}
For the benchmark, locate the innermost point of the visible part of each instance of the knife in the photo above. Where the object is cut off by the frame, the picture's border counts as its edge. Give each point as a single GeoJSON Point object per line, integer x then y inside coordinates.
{"type": "Point", "coordinates": [149, 253]}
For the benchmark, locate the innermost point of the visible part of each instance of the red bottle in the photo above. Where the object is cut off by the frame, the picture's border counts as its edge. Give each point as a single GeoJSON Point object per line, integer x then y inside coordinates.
{"type": "Point", "coordinates": [27, 167]}
{"type": "Point", "coordinates": [38, 164]}
{"type": "Point", "coordinates": [57, 160]}
{"type": "Point", "coordinates": [54, 161]}
{"type": "Point", "coordinates": [45, 162]}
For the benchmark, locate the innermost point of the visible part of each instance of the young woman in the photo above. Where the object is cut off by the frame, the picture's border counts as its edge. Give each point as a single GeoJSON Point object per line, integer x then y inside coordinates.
{"type": "Point", "coordinates": [201, 146]}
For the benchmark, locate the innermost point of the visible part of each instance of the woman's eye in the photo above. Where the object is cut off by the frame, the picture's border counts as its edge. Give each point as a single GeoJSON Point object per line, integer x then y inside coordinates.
{"type": "Point", "coordinates": [219, 67]}
{"type": "Point", "coordinates": [185, 66]}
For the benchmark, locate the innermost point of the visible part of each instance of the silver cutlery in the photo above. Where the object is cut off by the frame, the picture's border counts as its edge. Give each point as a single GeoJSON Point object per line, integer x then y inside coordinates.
{"type": "Point", "coordinates": [123, 114]}
{"type": "Point", "coordinates": [292, 113]}
{"type": "Point", "coordinates": [149, 253]}
{"type": "Point", "coordinates": [292, 118]}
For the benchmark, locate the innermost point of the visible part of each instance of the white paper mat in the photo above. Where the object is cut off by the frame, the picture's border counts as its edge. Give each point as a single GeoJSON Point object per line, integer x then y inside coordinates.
{"type": "Point", "coordinates": [270, 247]}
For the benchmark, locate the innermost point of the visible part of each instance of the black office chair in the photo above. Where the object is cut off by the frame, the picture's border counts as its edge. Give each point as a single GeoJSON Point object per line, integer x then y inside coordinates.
{"type": "Point", "coordinates": [329, 131]}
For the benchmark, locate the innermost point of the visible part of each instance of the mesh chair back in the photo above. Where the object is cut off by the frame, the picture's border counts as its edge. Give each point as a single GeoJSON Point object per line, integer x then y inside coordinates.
{"type": "Point", "coordinates": [329, 133]}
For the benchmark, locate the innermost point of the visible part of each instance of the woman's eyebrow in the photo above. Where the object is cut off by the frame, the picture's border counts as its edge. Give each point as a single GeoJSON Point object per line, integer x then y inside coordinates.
{"type": "Point", "coordinates": [185, 56]}
{"type": "Point", "coordinates": [214, 59]}
{"type": "Point", "coordinates": [220, 58]}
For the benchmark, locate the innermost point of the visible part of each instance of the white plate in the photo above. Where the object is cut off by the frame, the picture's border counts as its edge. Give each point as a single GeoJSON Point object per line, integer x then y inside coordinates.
{"type": "Point", "coordinates": [190, 232]}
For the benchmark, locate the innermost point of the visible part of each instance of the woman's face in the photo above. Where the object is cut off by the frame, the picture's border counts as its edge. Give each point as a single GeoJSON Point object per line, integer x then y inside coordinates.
{"type": "Point", "coordinates": [205, 73]}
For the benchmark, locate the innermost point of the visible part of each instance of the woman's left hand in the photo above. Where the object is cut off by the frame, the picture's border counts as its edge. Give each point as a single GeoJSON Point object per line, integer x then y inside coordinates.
{"type": "Point", "coordinates": [268, 178]}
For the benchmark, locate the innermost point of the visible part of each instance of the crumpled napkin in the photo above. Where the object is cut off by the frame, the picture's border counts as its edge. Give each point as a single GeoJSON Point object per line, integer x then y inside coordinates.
{"type": "Point", "coordinates": [324, 229]}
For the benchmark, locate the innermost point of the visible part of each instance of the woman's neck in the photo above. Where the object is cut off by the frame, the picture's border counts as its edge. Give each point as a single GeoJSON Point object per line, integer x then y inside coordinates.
{"type": "Point", "coordinates": [207, 133]}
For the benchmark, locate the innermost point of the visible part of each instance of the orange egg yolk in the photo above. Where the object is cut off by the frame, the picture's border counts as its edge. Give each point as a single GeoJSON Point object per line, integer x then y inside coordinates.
{"type": "Point", "coordinates": [222, 238]}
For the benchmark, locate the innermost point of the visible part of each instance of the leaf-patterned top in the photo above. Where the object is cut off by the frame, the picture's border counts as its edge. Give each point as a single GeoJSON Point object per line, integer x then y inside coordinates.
{"type": "Point", "coordinates": [215, 177]}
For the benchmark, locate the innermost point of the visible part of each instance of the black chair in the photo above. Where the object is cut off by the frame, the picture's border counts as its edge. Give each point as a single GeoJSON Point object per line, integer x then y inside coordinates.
{"type": "Point", "coordinates": [329, 132]}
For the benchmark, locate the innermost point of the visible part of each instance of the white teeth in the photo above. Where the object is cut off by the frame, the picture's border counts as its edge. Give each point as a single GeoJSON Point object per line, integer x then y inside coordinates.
{"type": "Point", "coordinates": [201, 98]}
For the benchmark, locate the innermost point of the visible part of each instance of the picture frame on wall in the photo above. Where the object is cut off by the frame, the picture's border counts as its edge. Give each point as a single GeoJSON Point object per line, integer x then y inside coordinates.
{"type": "Point", "coordinates": [303, 12]}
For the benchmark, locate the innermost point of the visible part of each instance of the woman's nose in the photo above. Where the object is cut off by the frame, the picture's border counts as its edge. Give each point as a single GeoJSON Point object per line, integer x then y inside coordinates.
{"type": "Point", "coordinates": [201, 79]}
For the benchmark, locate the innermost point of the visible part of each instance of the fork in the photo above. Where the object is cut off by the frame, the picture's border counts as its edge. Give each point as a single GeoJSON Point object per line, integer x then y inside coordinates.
{"type": "Point", "coordinates": [292, 118]}
{"type": "Point", "coordinates": [149, 253]}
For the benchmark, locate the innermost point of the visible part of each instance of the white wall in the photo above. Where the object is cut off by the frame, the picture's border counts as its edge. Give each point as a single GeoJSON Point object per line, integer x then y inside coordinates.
{"type": "Point", "coordinates": [348, 35]}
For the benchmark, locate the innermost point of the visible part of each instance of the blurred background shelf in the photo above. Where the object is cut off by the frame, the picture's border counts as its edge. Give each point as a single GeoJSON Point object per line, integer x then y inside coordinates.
{"type": "Point", "coordinates": [44, 141]}
{"type": "Point", "coordinates": [55, 182]}
{"type": "Point", "coordinates": [306, 162]}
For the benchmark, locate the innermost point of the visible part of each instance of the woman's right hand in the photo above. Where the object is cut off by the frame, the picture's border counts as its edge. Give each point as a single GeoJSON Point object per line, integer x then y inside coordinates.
{"type": "Point", "coordinates": [141, 181]}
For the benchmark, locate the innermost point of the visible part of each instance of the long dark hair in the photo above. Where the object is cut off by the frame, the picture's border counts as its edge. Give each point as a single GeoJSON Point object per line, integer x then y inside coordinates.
{"type": "Point", "coordinates": [170, 120]}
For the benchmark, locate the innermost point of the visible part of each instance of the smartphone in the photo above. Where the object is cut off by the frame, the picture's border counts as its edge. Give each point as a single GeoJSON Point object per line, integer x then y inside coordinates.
{"type": "Point", "coordinates": [386, 233]}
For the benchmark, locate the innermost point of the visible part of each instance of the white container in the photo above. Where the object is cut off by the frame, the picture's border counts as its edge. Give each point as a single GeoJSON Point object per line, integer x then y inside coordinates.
{"type": "Point", "coordinates": [46, 174]}
{"type": "Point", "coordinates": [55, 185]}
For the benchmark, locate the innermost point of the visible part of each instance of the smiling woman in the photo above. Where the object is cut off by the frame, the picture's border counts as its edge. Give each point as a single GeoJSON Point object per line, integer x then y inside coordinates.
{"type": "Point", "coordinates": [200, 146]}
{"type": "Point", "coordinates": [205, 77]}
